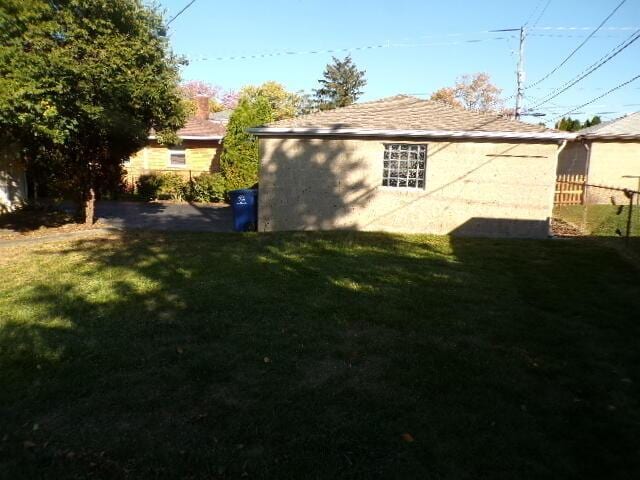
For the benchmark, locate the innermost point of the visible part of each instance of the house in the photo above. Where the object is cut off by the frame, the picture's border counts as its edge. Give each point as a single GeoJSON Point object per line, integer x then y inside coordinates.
{"type": "Point", "coordinates": [199, 151]}
{"type": "Point", "coordinates": [403, 164]}
{"type": "Point", "coordinates": [606, 154]}
{"type": "Point", "coordinates": [13, 181]}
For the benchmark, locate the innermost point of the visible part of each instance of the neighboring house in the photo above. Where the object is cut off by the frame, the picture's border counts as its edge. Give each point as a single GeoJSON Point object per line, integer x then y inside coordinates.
{"type": "Point", "coordinates": [403, 164]}
{"type": "Point", "coordinates": [607, 154]}
{"type": "Point", "coordinates": [199, 151]}
{"type": "Point", "coordinates": [13, 181]}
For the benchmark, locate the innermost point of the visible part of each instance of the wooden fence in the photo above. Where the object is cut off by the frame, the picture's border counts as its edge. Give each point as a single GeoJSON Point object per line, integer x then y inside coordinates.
{"type": "Point", "coordinates": [570, 189]}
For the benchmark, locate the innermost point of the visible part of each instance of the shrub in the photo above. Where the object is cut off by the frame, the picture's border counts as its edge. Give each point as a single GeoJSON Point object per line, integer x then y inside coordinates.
{"type": "Point", "coordinates": [162, 186]}
{"type": "Point", "coordinates": [173, 187]}
{"type": "Point", "coordinates": [148, 186]}
{"type": "Point", "coordinates": [208, 187]}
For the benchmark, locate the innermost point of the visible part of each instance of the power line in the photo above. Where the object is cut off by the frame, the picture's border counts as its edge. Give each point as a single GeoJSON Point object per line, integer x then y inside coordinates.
{"type": "Point", "coordinates": [344, 49]}
{"type": "Point", "coordinates": [564, 35]}
{"type": "Point", "coordinates": [541, 13]}
{"type": "Point", "coordinates": [578, 47]}
{"type": "Point", "coordinates": [592, 68]}
{"type": "Point", "coordinates": [584, 28]}
{"type": "Point", "coordinates": [181, 12]}
{"type": "Point", "coordinates": [598, 97]}
{"type": "Point", "coordinates": [533, 12]}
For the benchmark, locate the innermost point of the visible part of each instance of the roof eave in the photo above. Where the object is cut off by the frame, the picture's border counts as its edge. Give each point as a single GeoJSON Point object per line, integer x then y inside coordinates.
{"type": "Point", "coordinates": [361, 132]}
{"type": "Point", "coordinates": [604, 136]}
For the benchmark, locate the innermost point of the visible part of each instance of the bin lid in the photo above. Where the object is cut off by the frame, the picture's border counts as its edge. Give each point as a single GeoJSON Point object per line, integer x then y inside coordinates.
{"type": "Point", "coordinates": [244, 191]}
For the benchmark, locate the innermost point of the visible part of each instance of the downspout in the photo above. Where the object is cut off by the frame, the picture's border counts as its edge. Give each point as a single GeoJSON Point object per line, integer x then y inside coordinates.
{"type": "Point", "coordinates": [563, 144]}
{"type": "Point", "coordinates": [587, 167]}
{"type": "Point", "coordinates": [587, 164]}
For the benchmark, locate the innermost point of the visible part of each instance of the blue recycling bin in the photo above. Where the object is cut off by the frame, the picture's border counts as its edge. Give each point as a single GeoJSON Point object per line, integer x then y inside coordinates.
{"type": "Point", "coordinates": [244, 204]}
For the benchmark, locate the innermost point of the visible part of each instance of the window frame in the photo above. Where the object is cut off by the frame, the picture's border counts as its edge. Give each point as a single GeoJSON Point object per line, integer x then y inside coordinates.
{"type": "Point", "coordinates": [405, 188]}
{"type": "Point", "coordinates": [177, 151]}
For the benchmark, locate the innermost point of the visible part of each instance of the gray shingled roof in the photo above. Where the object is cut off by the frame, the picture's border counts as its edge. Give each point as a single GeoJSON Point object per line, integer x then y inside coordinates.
{"type": "Point", "coordinates": [404, 112]}
{"type": "Point", "coordinates": [623, 127]}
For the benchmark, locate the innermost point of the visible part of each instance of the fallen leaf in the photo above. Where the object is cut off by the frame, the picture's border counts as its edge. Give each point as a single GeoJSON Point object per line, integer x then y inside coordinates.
{"type": "Point", "coordinates": [179, 350]}
{"type": "Point", "coordinates": [36, 427]}
{"type": "Point", "coordinates": [267, 360]}
{"type": "Point", "coordinates": [28, 444]}
{"type": "Point", "coordinates": [407, 437]}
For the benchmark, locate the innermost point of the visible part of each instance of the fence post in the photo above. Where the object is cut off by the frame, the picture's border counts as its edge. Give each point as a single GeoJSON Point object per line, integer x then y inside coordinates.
{"type": "Point", "coordinates": [629, 214]}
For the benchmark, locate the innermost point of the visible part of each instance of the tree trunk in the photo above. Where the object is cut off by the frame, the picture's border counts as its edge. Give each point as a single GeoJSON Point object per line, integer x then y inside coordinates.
{"type": "Point", "coordinates": [89, 206]}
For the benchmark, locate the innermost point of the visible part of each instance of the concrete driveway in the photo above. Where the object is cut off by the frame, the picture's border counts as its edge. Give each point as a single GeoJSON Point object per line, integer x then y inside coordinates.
{"type": "Point", "coordinates": [167, 216]}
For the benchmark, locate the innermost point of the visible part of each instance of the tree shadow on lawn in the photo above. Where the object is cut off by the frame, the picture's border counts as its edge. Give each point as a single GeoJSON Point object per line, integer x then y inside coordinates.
{"type": "Point", "coordinates": [29, 219]}
{"type": "Point", "coordinates": [208, 356]}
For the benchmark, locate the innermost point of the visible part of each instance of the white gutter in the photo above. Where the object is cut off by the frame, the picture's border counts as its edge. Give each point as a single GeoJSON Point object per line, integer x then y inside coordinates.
{"type": "Point", "coordinates": [619, 136]}
{"type": "Point", "coordinates": [192, 137]}
{"type": "Point", "coordinates": [363, 132]}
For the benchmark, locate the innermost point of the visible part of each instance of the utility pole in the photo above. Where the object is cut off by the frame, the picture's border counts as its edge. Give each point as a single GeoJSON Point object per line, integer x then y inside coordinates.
{"type": "Point", "coordinates": [520, 77]}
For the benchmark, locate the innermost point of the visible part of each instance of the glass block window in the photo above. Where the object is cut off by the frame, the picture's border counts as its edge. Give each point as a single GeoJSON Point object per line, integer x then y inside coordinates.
{"type": "Point", "coordinates": [404, 165]}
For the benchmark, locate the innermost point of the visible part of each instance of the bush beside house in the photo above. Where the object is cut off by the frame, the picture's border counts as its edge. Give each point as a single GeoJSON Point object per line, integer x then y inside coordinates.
{"type": "Point", "coordinates": [207, 187]}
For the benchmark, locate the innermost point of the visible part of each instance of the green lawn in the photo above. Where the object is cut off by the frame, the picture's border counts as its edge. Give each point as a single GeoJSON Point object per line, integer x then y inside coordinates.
{"type": "Point", "coordinates": [601, 220]}
{"type": "Point", "coordinates": [319, 356]}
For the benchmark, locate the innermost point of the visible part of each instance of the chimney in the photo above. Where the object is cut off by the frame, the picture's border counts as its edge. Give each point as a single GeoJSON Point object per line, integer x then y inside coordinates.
{"type": "Point", "coordinates": [202, 107]}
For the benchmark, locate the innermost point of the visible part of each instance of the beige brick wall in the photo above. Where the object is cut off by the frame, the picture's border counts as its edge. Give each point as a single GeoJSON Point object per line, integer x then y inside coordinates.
{"type": "Point", "coordinates": [472, 188]}
{"type": "Point", "coordinates": [201, 156]}
{"type": "Point", "coordinates": [611, 161]}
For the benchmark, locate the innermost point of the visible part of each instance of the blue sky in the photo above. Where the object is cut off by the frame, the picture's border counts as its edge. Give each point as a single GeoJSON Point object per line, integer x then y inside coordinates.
{"type": "Point", "coordinates": [417, 46]}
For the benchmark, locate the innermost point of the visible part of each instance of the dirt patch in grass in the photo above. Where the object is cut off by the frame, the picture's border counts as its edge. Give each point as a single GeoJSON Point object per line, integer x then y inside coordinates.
{"type": "Point", "coordinates": [35, 222]}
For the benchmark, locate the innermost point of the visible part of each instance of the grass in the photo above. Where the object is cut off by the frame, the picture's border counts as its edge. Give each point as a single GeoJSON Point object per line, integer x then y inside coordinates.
{"type": "Point", "coordinates": [601, 220]}
{"type": "Point", "coordinates": [335, 355]}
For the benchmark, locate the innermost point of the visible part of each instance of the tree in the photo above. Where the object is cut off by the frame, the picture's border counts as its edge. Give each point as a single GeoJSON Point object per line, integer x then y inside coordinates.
{"type": "Point", "coordinates": [257, 105]}
{"type": "Point", "coordinates": [447, 95]}
{"type": "Point", "coordinates": [283, 104]}
{"type": "Point", "coordinates": [569, 124]}
{"type": "Point", "coordinates": [590, 123]}
{"type": "Point", "coordinates": [239, 159]}
{"type": "Point", "coordinates": [341, 86]}
{"type": "Point", "coordinates": [473, 92]}
{"type": "Point", "coordinates": [81, 84]}
{"type": "Point", "coordinates": [218, 99]}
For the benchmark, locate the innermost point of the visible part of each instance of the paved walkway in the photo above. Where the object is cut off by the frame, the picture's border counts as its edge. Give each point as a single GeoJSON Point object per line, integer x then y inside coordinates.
{"type": "Point", "coordinates": [186, 217]}
{"type": "Point", "coordinates": [156, 216]}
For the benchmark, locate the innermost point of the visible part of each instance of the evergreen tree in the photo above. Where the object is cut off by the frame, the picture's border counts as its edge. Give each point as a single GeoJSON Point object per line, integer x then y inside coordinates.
{"type": "Point", "coordinates": [81, 84]}
{"type": "Point", "coordinates": [568, 124]}
{"type": "Point", "coordinates": [594, 121]}
{"type": "Point", "coordinates": [239, 160]}
{"type": "Point", "coordinates": [341, 86]}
